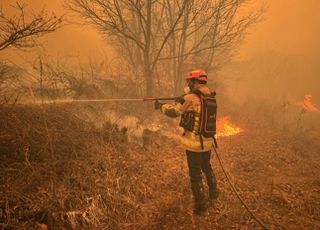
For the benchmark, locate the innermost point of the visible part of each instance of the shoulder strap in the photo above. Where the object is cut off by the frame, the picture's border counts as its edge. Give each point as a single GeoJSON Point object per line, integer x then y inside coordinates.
{"type": "Point", "coordinates": [197, 92]}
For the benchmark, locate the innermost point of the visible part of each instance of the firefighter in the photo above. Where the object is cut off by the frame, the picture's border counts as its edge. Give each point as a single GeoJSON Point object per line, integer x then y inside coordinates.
{"type": "Point", "coordinates": [198, 147]}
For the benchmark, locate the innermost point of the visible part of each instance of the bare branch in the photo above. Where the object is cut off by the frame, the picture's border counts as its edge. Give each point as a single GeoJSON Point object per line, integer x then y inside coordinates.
{"type": "Point", "coordinates": [169, 34]}
{"type": "Point", "coordinates": [20, 31]}
{"type": "Point", "coordinates": [174, 31]}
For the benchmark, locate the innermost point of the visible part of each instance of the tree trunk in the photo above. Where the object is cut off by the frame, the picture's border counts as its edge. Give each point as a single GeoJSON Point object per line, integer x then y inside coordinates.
{"type": "Point", "coordinates": [178, 84]}
{"type": "Point", "coordinates": [147, 57]}
{"type": "Point", "coordinates": [180, 61]}
{"type": "Point", "coordinates": [148, 78]}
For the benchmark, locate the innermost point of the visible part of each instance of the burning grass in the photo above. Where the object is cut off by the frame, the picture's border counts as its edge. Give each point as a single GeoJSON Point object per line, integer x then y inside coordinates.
{"type": "Point", "coordinates": [308, 104]}
{"type": "Point", "coordinates": [226, 128]}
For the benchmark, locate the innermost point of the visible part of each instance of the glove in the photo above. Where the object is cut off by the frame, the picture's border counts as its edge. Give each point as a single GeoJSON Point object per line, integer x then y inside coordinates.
{"type": "Point", "coordinates": [157, 105]}
{"type": "Point", "coordinates": [180, 100]}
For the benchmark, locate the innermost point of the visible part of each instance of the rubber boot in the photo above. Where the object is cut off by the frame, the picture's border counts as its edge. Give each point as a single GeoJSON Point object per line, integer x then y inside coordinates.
{"type": "Point", "coordinates": [199, 205]}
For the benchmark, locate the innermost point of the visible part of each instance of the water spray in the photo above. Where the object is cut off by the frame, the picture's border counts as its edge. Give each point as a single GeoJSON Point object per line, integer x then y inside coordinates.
{"type": "Point", "coordinates": [67, 101]}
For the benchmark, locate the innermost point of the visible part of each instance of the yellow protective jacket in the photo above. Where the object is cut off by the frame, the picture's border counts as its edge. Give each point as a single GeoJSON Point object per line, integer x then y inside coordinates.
{"type": "Point", "coordinates": [190, 140]}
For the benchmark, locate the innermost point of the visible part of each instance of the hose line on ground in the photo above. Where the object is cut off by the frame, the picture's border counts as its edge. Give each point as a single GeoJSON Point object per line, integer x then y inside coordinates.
{"type": "Point", "coordinates": [259, 221]}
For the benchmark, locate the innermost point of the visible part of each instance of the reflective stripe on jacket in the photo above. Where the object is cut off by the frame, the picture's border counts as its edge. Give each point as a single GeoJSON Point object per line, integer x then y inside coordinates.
{"type": "Point", "coordinates": [190, 140]}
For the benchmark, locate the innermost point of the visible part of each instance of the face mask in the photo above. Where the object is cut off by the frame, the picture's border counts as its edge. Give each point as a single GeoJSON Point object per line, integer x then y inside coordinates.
{"type": "Point", "coordinates": [190, 85]}
{"type": "Point", "coordinates": [186, 90]}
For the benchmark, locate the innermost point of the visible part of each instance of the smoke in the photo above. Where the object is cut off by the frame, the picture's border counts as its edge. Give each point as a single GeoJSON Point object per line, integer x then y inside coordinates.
{"type": "Point", "coordinates": [74, 39]}
{"type": "Point", "coordinates": [271, 76]}
{"type": "Point", "coordinates": [278, 59]}
{"type": "Point", "coordinates": [289, 27]}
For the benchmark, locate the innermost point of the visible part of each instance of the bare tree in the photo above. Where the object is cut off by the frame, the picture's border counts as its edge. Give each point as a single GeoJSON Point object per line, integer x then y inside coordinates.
{"type": "Point", "coordinates": [208, 33]}
{"type": "Point", "coordinates": [21, 30]}
{"type": "Point", "coordinates": [168, 35]}
{"type": "Point", "coordinates": [133, 25]}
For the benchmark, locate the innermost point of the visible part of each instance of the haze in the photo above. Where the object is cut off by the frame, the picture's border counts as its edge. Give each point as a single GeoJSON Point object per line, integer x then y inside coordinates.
{"type": "Point", "coordinates": [97, 132]}
{"type": "Point", "coordinates": [290, 28]}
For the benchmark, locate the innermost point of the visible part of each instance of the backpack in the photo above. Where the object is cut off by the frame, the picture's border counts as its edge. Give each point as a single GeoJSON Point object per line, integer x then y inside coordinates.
{"type": "Point", "coordinates": [206, 119]}
{"type": "Point", "coordinates": [208, 115]}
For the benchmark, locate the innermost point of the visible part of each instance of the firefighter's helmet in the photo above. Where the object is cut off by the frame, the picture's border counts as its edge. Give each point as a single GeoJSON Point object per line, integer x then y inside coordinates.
{"type": "Point", "coordinates": [197, 74]}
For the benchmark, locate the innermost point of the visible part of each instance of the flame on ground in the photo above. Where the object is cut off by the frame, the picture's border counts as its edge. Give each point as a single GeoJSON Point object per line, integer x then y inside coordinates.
{"type": "Point", "coordinates": [226, 128]}
{"type": "Point", "coordinates": [307, 104]}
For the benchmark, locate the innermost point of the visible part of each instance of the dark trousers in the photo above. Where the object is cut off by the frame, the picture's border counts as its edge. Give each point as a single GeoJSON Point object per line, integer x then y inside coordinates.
{"type": "Point", "coordinates": [198, 162]}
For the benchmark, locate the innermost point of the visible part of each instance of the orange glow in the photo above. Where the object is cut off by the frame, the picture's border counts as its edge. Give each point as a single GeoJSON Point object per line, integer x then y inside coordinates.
{"type": "Point", "coordinates": [226, 128]}
{"type": "Point", "coordinates": [307, 104]}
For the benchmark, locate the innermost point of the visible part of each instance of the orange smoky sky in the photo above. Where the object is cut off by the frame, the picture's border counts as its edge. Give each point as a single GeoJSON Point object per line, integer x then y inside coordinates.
{"type": "Point", "coordinates": [289, 26]}
{"type": "Point", "coordinates": [72, 40]}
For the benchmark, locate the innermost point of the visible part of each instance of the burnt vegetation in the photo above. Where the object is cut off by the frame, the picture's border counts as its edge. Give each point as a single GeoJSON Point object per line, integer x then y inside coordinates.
{"type": "Point", "coordinates": [121, 165]}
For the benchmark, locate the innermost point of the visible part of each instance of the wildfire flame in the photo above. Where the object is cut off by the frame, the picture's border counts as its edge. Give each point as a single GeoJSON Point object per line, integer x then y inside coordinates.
{"type": "Point", "coordinates": [226, 128]}
{"type": "Point", "coordinates": [307, 104]}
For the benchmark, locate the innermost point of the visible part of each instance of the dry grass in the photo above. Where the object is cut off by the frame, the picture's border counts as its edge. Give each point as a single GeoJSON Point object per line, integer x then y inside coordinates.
{"type": "Point", "coordinates": [61, 172]}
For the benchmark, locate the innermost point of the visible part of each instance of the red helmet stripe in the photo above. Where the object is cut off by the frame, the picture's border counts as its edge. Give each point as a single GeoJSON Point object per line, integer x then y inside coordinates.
{"type": "Point", "coordinates": [197, 74]}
